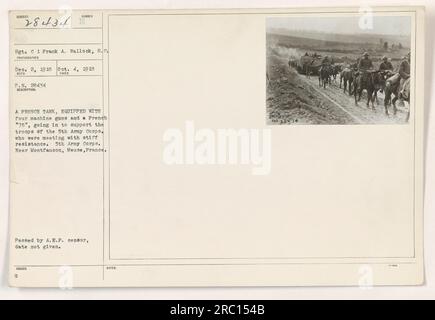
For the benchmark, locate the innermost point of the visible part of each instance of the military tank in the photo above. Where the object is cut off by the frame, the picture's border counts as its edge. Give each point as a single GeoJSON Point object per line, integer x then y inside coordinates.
{"type": "Point", "coordinates": [309, 63]}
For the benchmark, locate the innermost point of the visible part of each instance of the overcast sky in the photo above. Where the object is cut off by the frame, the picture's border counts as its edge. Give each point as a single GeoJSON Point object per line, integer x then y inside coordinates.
{"type": "Point", "coordinates": [388, 25]}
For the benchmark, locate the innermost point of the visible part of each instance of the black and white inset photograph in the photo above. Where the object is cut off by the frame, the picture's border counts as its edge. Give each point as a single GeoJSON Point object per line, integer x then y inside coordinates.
{"type": "Point", "coordinates": [338, 70]}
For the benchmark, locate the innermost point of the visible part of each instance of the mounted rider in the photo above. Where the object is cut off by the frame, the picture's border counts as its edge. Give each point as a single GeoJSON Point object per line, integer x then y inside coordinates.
{"type": "Point", "coordinates": [385, 68]}
{"type": "Point", "coordinates": [365, 65]}
{"type": "Point", "coordinates": [386, 65]}
{"type": "Point", "coordinates": [405, 67]}
{"type": "Point", "coordinates": [397, 81]}
{"type": "Point", "coordinates": [405, 75]}
{"type": "Point", "coordinates": [326, 61]}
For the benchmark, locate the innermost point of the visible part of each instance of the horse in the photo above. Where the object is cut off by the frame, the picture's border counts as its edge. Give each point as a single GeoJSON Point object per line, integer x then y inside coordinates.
{"type": "Point", "coordinates": [324, 75]}
{"type": "Point", "coordinates": [399, 90]}
{"type": "Point", "coordinates": [405, 94]}
{"type": "Point", "coordinates": [292, 63]}
{"type": "Point", "coordinates": [366, 80]}
{"type": "Point", "coordinates": [307, 70]}
{"type": "Point", "coordinates": [378, 80]}
{"type": "Point", "coordinates": [346, 77]}
{"type": "Point", "coordinates": [391, 89]}
{"type": "Point", "coordinates": [336, 70]}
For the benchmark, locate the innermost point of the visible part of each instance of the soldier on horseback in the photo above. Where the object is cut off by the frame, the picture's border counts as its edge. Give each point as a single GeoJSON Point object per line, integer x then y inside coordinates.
{"type": "Point", "coordinates": [365, 64]}
{"type": "Point", "coordinates": [386, 65]}
{"type": "Point", "coordinates": [386, 69]}
{"type": "Point", "coordinates": [398, 84]}
{"type": "Point", "coordinates": [405, 69]}
{"type": "Point", "coordinates": [325, 72]}
{"type": "Point", "coordinates": [364, 79]}
{"type": "Point", "coordinates": [404, 72]}
{"type": "Point", "coordinates": [326, 61]}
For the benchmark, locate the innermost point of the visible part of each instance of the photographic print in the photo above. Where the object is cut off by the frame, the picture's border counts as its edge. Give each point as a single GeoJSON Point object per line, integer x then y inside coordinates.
{"type": "Point", "coordinates": [338, 70]}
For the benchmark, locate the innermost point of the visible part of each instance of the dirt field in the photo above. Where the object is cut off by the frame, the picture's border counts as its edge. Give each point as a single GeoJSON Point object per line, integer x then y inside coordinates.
{"type": "Point", "coordinates": [295, 99]}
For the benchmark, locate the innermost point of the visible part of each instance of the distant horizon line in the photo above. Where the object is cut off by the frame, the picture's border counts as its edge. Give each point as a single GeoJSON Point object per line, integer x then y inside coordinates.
{"type": "Point", "coordinates": [347, 34]}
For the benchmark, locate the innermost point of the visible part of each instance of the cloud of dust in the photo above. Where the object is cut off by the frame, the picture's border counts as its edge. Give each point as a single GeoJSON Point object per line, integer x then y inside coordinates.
{"type": "Point", "coordinates": [283, 52]}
